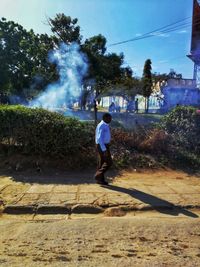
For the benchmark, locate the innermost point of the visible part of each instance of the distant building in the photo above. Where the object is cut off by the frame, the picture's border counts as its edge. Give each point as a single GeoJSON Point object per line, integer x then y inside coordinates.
{"type": "Point", "coordinates": [186, 91]}
{"type": "Point", "coordinates": [179, 92]}
{"type": "Point", "coordinates": [118, 100]}
{"type": "Point", "coordinates": [166, 95]}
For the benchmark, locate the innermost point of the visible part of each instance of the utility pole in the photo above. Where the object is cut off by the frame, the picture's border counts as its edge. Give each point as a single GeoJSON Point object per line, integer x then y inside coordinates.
{"type": "Point", "coordinates": [195, 41]}
{"type": "Point", "coordinates": [95, 112]}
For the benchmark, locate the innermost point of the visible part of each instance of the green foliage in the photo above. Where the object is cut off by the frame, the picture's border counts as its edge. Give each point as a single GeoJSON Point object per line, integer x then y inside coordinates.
{"type": "Point", "coordinates": [183, 124]}
{"type": "Point", "coordinates": [182, 130]}
{"type": "Point", "coordinates": [173, 142]}
{"type": "Point", "coordinates": [37, 133]}
{"type": "Point", "coordinates": [41, 132]}
{"type": "Point", "coordinates": [147, 83]}
{"type": "Point", "coordinates": [95, 45]}
{"type": "Point", "coordinates": [15, 60]}
{"type": "Point", "coordinates": [147, 79]}
{"type": "Point", "coordinates": [65, 28]}
{"type": "Point", "coordinates": [44, 134]}
{"type": "Point", "coordinates": [25, 57]}
{"type": "Point", "coordinates": [106, 69]}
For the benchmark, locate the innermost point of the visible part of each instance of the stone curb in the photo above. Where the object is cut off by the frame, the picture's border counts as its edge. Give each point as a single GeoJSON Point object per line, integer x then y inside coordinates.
{"type": "Point", "coordinates": [86, 208]}
{"type": "Point", "coordinates": [19, 209]}
{"type": "Point", "coordinates": [53, 209]}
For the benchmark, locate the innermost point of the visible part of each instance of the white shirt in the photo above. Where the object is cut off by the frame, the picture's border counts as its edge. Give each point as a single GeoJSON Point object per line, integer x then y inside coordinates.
{"type": "Point", "coordinates": [102, 135]}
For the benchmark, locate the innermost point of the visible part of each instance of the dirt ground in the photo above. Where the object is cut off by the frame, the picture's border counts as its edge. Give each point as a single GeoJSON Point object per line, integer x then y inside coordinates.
{"type": "Point", "coordinates": [137, 239]}
{"type": "Point", "coordinates": [142, 238]}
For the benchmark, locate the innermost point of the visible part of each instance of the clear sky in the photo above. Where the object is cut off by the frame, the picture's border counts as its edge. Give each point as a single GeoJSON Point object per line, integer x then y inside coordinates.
{"type": "Point", "coordinates": [118, 20]}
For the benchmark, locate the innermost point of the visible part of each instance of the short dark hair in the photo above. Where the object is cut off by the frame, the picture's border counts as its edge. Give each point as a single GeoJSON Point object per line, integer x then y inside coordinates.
{"type": "Point", "coordinates": [106, 115]}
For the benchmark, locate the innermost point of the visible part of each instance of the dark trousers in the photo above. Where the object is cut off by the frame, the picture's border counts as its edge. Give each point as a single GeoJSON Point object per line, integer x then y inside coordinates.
{"type": "Point", "coordinates": [104, 162]}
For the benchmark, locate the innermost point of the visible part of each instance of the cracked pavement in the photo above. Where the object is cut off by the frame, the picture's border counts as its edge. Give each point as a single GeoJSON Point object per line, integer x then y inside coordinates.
{"type": "Point", "coordinates": [129, 190]}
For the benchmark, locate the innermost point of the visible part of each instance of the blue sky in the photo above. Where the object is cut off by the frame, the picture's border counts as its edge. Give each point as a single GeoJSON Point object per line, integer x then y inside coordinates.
{"type": "Point", "coordinates": [118, 20]}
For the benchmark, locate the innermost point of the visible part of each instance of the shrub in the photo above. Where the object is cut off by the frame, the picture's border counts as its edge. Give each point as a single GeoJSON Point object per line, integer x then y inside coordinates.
{"type": "Point", "coordinates": [41, 132]}
{"type": "Point", "coordinates": [183, 124]}
{"type": "Point", "coordinates": [129, 140]}
{"type": "Point", "coordinates": [127, 149]}
{"type": "Point", "coordinates": [157, 142]}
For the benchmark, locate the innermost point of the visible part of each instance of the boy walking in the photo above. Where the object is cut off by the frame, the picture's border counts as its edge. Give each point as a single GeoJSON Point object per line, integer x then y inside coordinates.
{"type": "Point", "coordinates": [102, 139]}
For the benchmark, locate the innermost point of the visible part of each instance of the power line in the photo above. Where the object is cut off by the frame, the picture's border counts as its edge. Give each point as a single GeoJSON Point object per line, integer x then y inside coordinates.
{"type": "Point", "coordinates": [150, 34]}
{"type": "Point", "coordinates": [179, 27]}
{"type": "Point", "coordinates": [160, 63]}
{"type": "Point", "coordinates": [172, 59]}
{"type": "Point", "coordinates": [158, 31]}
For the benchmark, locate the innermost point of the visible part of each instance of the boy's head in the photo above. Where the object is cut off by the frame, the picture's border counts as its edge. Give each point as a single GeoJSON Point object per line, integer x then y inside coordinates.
{"type": "Point", "coordinates": [107, 118]}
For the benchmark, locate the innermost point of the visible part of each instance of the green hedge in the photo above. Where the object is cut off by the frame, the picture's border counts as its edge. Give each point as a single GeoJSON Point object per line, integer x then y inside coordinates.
{"type": "Point", "coordinates": [49, 135]}
{"type": "Point", "coordinates": [41, 132]}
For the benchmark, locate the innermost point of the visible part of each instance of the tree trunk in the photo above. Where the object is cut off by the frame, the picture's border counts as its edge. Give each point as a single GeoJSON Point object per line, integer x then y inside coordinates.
{"type": "Point", "coordinates": [145, 105]}
{"type": "Point", "coordinates": [95, 112]}
{"type": "Point", "coordinates": [147, 110]}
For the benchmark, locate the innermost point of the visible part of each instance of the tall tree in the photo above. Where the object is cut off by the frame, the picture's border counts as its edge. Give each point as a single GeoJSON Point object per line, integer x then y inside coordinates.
{"type": "Point", "coordinates": [104, 68]}
{"type": "Point", "coordinates": [26, 69]}
{"type": "Point", "coordinates": [96, 45]}
{"type": "Point", "coordinates": [65, 29]}
{"type": "Point", "coordinates": [147, 83]}
{"type": "Point", "coordinates": [15, 48]}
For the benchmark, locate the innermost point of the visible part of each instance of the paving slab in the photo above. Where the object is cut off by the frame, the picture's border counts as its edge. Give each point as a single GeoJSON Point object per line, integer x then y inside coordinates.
{"type": "Point", "coordinates": [63, 198]}
{"type": "Point", "coordinates": [40, 189]}
{"type": "Point", "coordinates": [64, 189]}
{"type": "Point", "coordinates": [184, 187]}
{"type": "Point", "coordinates": [44, 198]}
{"type": "Point", "coordinates": [2, 187]}
{"type": "Point", "coordinates": [13, 189]}
{"type": "Point", "coordinates": [191, 200]}
{"type": "Point", "coordinates": [94, 188]}
{"type": "Point", "coordinates": [120, 199]}
{"type": "Point", "coordinates": [89, 197]}
{"type": "Point", "coordinates": [28, 199]}
{"type": "Point", "coordinates": [154, 189]}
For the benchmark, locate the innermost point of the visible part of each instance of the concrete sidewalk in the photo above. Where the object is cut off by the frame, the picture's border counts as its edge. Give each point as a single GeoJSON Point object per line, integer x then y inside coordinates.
{"type": "Point", "coordinates": [161, 190]}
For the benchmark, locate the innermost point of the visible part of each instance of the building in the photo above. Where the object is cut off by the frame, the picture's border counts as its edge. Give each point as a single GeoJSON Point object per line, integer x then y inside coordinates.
{"type": "Point", "coordinates": [179, 92]}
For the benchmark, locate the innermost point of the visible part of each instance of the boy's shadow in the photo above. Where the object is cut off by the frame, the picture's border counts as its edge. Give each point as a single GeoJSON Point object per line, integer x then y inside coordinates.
{"type": "Point", "coordinates": [158, 204]}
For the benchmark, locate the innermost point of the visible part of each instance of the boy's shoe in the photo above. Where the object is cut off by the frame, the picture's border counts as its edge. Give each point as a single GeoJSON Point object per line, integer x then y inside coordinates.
{"type": "Point", "coordinates": [102, 182]}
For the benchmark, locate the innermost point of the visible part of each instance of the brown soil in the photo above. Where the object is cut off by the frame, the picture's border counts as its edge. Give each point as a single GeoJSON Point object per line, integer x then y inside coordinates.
{"type": "Point", "coordinates": [140, 239]}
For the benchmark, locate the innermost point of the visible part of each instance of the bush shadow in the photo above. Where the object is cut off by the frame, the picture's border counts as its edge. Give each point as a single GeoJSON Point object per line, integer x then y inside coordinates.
{"type": "Point", "coordinates": [70, 177]}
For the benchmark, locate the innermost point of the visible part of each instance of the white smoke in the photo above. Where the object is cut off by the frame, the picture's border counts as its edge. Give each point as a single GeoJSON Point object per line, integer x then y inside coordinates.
{"type": "Point", "coordinates": [71, 66]}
